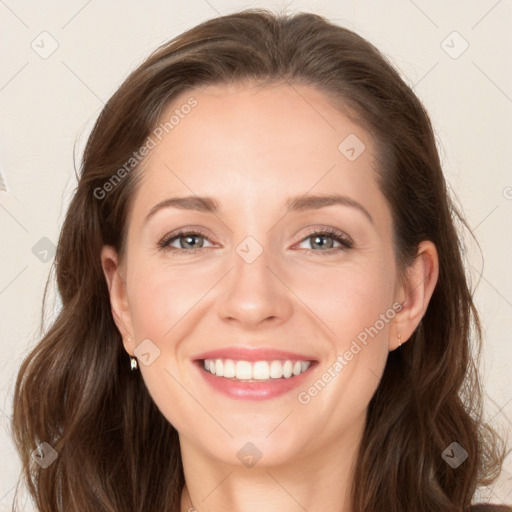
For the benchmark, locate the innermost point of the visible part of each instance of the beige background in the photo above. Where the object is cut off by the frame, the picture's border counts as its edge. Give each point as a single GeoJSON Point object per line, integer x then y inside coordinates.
{"type": "Point", "coordinates": [49, 101]}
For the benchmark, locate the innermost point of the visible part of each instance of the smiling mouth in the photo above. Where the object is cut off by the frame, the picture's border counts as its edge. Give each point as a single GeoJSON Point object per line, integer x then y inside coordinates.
{"type": "Point", "coordinates": [255, 371]}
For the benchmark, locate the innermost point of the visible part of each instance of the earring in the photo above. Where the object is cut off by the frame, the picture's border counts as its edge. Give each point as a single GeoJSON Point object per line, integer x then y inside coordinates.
{"type": "Point", "coordinates": [399, 340]}
{"type": "Point", "coordinates": [133, 363]}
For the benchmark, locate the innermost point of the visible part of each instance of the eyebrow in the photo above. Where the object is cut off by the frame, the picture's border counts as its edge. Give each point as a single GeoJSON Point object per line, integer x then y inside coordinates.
{"type": "Point", "coordinates": [297, 203]}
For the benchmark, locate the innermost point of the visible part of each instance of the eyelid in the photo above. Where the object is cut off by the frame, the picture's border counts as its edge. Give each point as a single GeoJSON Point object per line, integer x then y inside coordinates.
{"type": "Point", "coordinates": [341, 237]}
{"type": "Point", "coordinates": [191, 230]}
{"type": "Point", "coordinates": [327, 231]}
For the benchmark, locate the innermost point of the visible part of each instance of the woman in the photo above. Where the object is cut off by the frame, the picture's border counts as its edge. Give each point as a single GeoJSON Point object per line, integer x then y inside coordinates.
{"type": "Point", "coordinates": [207, 356]}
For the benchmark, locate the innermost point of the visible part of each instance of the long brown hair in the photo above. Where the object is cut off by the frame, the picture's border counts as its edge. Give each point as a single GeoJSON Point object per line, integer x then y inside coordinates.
{"type": "Point", "coordinates": [75, 391]}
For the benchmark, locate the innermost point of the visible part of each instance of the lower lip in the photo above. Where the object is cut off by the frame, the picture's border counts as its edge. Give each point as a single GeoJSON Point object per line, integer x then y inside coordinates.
{"type": "Point", "coordinates": [266, 390]}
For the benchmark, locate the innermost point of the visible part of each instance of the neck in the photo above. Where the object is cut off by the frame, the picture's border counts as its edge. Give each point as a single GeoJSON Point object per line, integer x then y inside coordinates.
{"type": "Point", "coordinates": [314, 481]}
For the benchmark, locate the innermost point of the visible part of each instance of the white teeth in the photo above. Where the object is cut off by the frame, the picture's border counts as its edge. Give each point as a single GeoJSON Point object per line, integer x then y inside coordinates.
{"type": "Point", "coordinates": [229, 368]}
{"type": "Point", "coordinates": [287, 369]}
{"type": "Point", "coordinates": [259, 370]}
{"type": "Point", "coordinates": [276, 369]}
{"type": "Point", "coordinates": [243, 369]}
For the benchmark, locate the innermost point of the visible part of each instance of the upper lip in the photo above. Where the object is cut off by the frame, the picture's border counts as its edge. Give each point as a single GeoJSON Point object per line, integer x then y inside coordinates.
{"type": "Point", "coordinates": [252, 354]}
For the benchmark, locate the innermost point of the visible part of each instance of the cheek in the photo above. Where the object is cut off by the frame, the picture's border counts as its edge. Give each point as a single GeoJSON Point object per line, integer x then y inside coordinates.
{"type": "Point", "coordinates": [166, 307]}
{"type": "Point", "coordinates": [340, 300]}
{"type": "Point", "coordinates": [162, 298]}
{"type": "Point", "coordinates": [347, 299]}
{"type": "Point", "coordinates": [334, 304]}
{"type": "Point", "coordinates": [356, 303]}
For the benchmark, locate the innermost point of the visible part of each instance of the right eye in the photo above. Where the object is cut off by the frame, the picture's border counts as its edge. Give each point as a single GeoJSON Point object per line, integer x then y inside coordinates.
{"type": "Point", "coordinates": [186, 240]}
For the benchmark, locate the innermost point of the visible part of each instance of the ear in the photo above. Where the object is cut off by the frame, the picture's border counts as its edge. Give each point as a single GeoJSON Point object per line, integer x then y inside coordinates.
{"type": "Point", "coordinates": [414, 295]}
{"type": "Point", "coordinates": [116, 283]}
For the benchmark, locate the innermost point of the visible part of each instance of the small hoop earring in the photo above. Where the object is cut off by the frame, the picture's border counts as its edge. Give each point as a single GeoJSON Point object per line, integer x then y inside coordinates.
{"type": "Point", "coordinates": [133, 363]}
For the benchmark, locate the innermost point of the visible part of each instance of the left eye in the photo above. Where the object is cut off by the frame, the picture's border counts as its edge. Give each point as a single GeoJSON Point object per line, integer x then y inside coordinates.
{"type": "Point", "coordinates": [335, 236]}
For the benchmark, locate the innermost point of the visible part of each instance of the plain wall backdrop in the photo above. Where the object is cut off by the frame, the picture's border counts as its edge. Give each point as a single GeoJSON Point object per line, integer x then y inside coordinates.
{"type": "Point", "coordinates": [61, 61]}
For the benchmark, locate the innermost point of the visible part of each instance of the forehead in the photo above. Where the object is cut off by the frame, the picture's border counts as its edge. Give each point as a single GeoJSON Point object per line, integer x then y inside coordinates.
{"type": "Point", "coordinates": [287, 119]}
{"type": "Point", "coordinates": [252, 144]}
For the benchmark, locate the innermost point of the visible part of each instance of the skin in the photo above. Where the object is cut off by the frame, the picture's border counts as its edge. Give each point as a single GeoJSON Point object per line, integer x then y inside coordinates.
{"type": "Point", "coordinates": [251, 148]}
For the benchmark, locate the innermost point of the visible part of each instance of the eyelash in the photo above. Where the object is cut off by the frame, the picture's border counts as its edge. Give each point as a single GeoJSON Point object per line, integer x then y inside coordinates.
{"type": "Point", "coordinates": [338, 236]}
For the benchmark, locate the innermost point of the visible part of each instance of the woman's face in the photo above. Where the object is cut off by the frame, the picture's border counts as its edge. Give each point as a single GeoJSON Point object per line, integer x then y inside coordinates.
{"type": "Point", "coordinates": [254, 276]}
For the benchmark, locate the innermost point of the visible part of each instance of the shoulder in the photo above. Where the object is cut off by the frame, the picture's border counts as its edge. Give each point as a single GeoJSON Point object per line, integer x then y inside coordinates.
{"type": "Point", "coordinates": [489, 507]}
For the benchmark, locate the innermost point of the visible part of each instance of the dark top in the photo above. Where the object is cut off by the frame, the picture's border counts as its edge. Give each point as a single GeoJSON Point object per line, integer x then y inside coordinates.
{"type": "Point", "coordinates": [488, 507]}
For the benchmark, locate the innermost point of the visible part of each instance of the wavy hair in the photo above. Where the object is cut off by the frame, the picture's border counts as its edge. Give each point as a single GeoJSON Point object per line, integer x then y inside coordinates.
{"type": "Point", "coordinates": [74, 390]}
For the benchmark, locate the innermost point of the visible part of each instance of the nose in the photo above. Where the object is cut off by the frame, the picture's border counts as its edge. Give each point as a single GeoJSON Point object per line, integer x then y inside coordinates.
{"type": "Point", "coordinates": [255, 293]}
